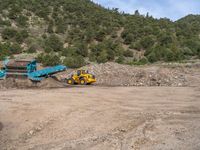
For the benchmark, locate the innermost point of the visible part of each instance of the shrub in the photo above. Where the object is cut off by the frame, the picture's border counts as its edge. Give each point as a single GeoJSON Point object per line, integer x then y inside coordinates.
{"type": "Point", "coordinates": [50, 59]}
{"type": "Point", "coordinates": [68, 52]}
{"type": "Point", "coordinates": [19, 39]}
{"type": "Point", "coordinates": [24, 34]}
{"type": "Point", "coordinates": [120, 59]}
{"type": "Point", "coordinates": [81, 49]}
{"type": "Point", "coordinates": [50, 28]}
{"type": "Point", "coordinates": [22, 21]}
{"type": "Point", "coordinates": [92, 57]}
{"type": "Point", "coordinates": [129, 38]}
{"type": "Point", "coordinates": [147, 42]}
{"type": "Point", "coordinates": [32, 49]}
{"type": "Point", "coordinates": [143, 61]}
{"type": "Point", "coordinates": [137, 45]}
{"type": "Point", "coordinates": [21, 36]}
{"type": "Point", "coordinates": [15, 48]}
{"type": "Point", "coordinates": [8, 33]}
{"type": "Point", "coordinates": [111, 54]}
{"type": "Point", "coordinates": [100, 35]}
{"type": "Point", "coordinates": [128, 53]}
{"type": "Point", "coordinates": [187, 51]}
{"type": "Point", "coordinates": [5, 23]}
{"type": "Point", "coordinates": [192, 44]}
{"type": "Point", "coordinates": [152, 57]}
{"type": "Point", "coordinates": [40, 57]}
{"type": "Point", "coordinates": [168, 55]}
{"type": "Point", "coordinates": [61, 28]}
{"type": "Point", "coordinates": [198, 53]}
{"type": "Point", "coordinates": [102, 58]}
{"type": "Point", "coordinates": [54, 43]}
{"type": "Point", "coordinates": [74, 62]}
{"type": "Point", "coordinates": [4, 50]}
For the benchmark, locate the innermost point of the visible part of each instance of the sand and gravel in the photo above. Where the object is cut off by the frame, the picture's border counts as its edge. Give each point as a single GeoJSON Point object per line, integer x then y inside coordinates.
{"type": "Point", "coordinates": [100, 118]}
{"type": "Point", "coordinates": [104, 117]}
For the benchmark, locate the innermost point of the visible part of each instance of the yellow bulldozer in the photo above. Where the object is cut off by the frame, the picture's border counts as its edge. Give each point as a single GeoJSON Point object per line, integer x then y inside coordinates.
{"type": "Point", "coordinates": [81, 77]}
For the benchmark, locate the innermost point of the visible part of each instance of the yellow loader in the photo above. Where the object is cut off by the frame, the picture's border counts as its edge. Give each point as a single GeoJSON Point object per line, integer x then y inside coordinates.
{"type": "Point", "coordinates": [82, 77]}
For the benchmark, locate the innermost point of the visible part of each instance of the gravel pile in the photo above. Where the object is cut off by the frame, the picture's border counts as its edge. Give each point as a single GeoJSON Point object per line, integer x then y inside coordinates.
{"type": "Point", "coordinates": [113, 74]}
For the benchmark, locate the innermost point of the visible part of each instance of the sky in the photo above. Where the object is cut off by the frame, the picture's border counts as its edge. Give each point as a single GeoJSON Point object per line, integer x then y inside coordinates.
{"type": "Point", "coordinates": [172, 9]}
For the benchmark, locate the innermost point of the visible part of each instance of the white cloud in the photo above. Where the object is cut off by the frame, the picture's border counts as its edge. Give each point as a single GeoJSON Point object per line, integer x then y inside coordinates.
{"type": "Point", "coordinates": [172, 9]}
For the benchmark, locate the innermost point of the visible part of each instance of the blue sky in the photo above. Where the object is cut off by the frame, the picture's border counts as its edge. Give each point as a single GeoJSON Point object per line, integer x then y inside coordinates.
{"type": "Point", "coordinates": [173, 9]}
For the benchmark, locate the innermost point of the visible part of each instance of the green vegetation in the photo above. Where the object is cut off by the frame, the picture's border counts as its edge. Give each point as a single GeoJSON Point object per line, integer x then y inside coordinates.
{"type": "Point", "coordinates": [8, 49]}
{"type": "Point", "coordinates": [50, 59]}
{"type": "Point", "coordinates": [76, 30]}
{"type": "Point", "coordinates": [74, 62]}
{"type": "Point", "coordinates": [10, 34]}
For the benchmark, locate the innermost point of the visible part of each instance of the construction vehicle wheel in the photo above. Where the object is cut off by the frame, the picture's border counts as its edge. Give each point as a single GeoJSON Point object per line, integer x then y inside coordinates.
{"type": "Point", "coordinates": [83, 82]}
{"type": "Point", "coordinates": [70, 81]}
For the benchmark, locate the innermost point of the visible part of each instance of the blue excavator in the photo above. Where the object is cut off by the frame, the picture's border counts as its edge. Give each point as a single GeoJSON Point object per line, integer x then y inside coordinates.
{"type": "Point", "coordinates": [27, 69]}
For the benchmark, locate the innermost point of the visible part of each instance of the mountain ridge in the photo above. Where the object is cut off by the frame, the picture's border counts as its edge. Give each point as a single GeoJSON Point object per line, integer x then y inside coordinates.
{"type": "Point", "coordinates": [77, 32]}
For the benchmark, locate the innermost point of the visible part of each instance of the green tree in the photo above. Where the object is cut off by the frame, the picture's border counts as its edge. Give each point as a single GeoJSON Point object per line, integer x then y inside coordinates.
{"type": "Point", "coordinates": [50, 59]}
{"type": "Point", "coordinates": [81, 49]}
{"type": "Point", "coordinates": [8, 33]}
{"type": "Point", "coordinates": [147, 42]}
{"type": "Point", "coordinates": [129, 38]}
{"type": "Point", "coordinates": [54, 43]}
{"type": "Point", "coordinates": [21, 36]}
{"type": "Point", "coordinates": [61, 28]}
{"type": "Point", "coordinates": [32, 49]}
{"type": "Point", "coordinates": [50, 27]}
{"type": "Point", "coordinates": [22, 20]}
{"type": "Point", "coordinates": [100, 35]}
{"type": "Point", "coordinates": [74, 62]}
{"type": "Point", "coordinates": [15, 48]}
{"type": "Point", "coordinates": [4, 50]}
{"type": "Point", "coordinates": [102, 58]}
{"type": "Point", "coordinates": [110, 54]}
{"type": "Point", "coordinates": [152, 57]}
{"type": "Point", "coordinates": [4, 23]}
{"type": "Point", "coordinates": [120, 59]}
{"type": "Point", "coordinates": [128, 53]}
{"type": "Point", "coordinates": [137, 13]}
{"type": "Point", "coordinates": [198, 53]}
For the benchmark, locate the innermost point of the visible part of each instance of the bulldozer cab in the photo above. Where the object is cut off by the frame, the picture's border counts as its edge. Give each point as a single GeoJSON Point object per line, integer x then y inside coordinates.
{"type": "Point", "coordinates": [80, 72]}
{"type": "Point", "coordinates": [82, 77]}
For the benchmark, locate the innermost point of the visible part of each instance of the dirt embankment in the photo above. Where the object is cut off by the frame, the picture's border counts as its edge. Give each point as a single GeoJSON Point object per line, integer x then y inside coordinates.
{"type": "Point", "coordinates": [26, 83]}
{"type": "Point", "coordinates": [113, 74]}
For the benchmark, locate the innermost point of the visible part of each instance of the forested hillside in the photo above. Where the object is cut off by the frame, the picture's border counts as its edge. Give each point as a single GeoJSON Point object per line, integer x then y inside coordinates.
{"type": "Point", "coordinates": [74, 32]}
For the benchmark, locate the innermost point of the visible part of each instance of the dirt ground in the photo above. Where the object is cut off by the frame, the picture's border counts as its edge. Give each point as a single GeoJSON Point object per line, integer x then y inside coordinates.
{"type": "Point", "coordinates": [161, 110]}
{"type": "Point", "coordinates": [100, 118]}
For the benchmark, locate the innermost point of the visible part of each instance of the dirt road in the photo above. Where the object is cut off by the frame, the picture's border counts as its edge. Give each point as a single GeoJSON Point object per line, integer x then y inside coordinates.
{"type": "Point", "coordinates": [101, 118]}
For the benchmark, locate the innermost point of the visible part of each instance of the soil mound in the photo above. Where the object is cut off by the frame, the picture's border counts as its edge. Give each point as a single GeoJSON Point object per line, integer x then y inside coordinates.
{"type": "Point", "coordinates": [113, 74]}
{"type": "Point", "coordinates": [26, 83]}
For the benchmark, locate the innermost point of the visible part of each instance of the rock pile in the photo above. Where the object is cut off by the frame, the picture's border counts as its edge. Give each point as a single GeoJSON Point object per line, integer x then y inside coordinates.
{"type": "Point", "coordinates": [113, 74]}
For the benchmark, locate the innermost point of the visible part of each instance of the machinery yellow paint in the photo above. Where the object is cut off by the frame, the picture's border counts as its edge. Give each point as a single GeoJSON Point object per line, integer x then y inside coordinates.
{"type": "Point", "coordinates": [82, 77]}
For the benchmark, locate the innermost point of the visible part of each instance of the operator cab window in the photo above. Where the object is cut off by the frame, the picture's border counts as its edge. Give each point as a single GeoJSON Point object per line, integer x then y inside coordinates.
{"type": "Point", "coordinates": [83, 71]}
{"type": "Point", "coordinates": [78, 72]}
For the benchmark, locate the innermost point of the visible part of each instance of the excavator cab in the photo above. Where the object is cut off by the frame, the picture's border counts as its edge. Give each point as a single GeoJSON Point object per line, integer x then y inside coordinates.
{"type": "Point", "coordinates": [82, 77]}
